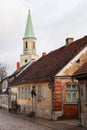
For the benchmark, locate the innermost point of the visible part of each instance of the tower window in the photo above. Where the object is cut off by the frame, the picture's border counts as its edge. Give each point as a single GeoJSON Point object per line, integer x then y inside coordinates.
{"type": "Point", "coordinates": [25, 61]}
{"type": "Point", "coordinates": [26, 44]}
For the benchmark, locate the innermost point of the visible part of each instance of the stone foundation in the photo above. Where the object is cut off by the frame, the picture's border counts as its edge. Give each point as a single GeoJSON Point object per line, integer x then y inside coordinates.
{"type": "Point", "coordinates": [56, 115]}
{"type": "Point", "coordinates": [43, 113]}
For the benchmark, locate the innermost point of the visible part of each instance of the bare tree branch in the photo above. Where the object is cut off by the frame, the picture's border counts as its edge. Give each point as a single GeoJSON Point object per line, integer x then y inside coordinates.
{"type": "Point", "coordinates": [3, 71]}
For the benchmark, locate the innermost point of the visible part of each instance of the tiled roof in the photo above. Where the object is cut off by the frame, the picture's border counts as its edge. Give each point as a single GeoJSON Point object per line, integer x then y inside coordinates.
{"type": "Point", "coordinates": [22, 68]}
{"type": "Point", "coordinates": [16, 72]}
{"type": "Point", "coordinates": [52, 63]}
{"type": "Point", "coordinates": [82, 70]}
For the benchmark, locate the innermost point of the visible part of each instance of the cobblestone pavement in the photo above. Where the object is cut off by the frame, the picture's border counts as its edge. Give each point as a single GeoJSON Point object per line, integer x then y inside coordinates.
{"type": "Point", "coordinates": [9, 121]}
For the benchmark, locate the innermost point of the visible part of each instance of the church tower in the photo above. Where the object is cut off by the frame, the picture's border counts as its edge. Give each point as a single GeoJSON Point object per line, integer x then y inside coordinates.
{"type": "Point", "coordinates": [29, 42]}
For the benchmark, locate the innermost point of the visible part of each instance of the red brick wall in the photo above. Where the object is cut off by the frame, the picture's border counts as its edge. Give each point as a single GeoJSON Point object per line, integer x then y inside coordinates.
{"type": "Point", "coordinates": [59, 100]}
{"type": "Point", "coordinates": [57, 96]}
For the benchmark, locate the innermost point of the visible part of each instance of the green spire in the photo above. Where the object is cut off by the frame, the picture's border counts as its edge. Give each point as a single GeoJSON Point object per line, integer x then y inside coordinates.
{"type": "Point", "coordinates": [29, 31]}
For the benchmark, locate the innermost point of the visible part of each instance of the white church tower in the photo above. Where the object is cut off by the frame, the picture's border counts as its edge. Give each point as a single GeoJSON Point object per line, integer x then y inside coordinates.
{"type": "Point", "coordinates": [29, 42]}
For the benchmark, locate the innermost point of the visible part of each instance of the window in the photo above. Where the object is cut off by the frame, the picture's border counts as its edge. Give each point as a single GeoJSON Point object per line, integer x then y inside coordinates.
{"type": "Point", "coordinates": [71, 93]}
{"type": "Point", "coordinates": [29, 92]}
{"type": "Point", "coordinates": [25, 60]}
{"type": "Point", "coordinates": [39, 93]}
{"type": "Point", "coordinates": [43, 94]}
{"type": "Point", "coordinates": [22, 92]}
{"type": "Point", "coordinates": [6, 100]}
{"type": "Point", "coordinates": [25, 92]}
{"type": "Point", "coordinates": [19, 92]}
{"type": "Point", "coordinates": [26, 45]}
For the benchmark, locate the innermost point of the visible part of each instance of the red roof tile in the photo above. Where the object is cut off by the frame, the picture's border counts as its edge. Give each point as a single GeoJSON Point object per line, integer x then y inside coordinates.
{"type": "Point", "coordinates": [52, 63]}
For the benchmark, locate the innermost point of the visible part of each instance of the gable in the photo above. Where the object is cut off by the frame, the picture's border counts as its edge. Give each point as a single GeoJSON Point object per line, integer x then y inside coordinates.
{"type": "Point", "coordinates": [74, 64]}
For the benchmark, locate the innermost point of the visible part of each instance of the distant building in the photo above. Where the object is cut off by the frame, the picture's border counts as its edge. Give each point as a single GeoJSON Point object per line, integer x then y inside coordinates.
{"type": "Point", "coordinates": [7, 94]}
{"type": "Point", "coordinates": [29, 43]}
{"type": "Point", "coordinates": [26, 59]}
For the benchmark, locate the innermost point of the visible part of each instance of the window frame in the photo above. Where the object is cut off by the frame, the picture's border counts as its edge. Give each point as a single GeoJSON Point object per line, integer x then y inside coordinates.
{"type": "Point", "coordinates": [29, 92]}
{"type": "Point", "coordinates": [72, 91]}
{"type": "Point", "coordinates": [39, 93]}
{"type": "Point", "coordinates": [25, 92]}
{"type": "Point", "coordinates": [19, 92]}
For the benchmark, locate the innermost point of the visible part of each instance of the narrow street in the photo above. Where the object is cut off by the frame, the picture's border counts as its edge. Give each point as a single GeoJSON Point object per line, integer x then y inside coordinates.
{"type": "Point", "coordinates": [10, 121]}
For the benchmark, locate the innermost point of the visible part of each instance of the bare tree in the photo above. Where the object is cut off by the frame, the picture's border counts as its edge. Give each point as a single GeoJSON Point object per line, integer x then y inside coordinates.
{"type": "Point", "coordinates": [3, 71]}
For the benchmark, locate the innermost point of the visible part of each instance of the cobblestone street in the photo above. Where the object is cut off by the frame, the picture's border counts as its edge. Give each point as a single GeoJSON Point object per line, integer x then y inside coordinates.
{"type": "Point", "coordinates": [10, 121]}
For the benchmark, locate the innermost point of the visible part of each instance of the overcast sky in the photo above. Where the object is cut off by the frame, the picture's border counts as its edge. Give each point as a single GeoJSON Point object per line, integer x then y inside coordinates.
{"type": "Point", "coordinates": [53, 21]}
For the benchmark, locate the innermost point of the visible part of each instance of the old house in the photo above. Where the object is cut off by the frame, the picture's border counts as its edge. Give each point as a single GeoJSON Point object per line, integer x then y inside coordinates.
{"type": "Point", "coordinates": [81, 76]}
{"type": "Point", "coordinates": [46, 87]}
{"type": "Point", "coordinates": [9, 94]}
{"type": "Point", "coordinates": [4, 93]}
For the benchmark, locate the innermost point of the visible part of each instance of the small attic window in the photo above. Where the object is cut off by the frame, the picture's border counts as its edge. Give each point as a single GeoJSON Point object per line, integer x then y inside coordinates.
{"type": "Point", "coordinates": [78, 61]}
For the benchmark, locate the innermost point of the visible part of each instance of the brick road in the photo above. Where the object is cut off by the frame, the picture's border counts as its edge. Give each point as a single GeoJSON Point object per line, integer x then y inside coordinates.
{"type": "Point", "coordinates": [9, 121]}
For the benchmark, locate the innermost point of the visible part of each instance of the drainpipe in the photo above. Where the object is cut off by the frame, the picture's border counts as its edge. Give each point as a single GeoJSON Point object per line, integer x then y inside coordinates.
{"type": "Point", "coordinates": [79, 108]}
{"type": "Point", "coordinates": [79, 105]}
{"type": "Point", "coordinates": [50, 85]}
{"type": "Point", "coordinates": [62, 101]}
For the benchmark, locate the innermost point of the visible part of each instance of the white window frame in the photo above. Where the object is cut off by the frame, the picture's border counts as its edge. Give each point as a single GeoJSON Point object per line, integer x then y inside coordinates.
{"type": "Point", "coordinates": [19, 94]}
{"type": "Point", "coordinates": [25, 92]}
{"type": "Point", "coordinates": [71, 91]}
{"type": "Point", "coordinates": [39, 92]}
{"type": "Point", "coordinates": [29, 92]}
{"type": "Point", "coordinates": [22, 92]}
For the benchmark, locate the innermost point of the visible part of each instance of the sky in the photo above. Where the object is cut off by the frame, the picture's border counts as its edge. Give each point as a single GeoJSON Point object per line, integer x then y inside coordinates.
{"type": "Point", "coordinates": [53, 22]}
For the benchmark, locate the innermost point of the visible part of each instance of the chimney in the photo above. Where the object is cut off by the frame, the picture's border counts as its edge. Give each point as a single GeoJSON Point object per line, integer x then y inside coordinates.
{"type": "Point", "coordinates": [18, 66]}
{"type": "Point", "coordinates": [33, 59]}
{"type": "Point", "coordinates": [69, 41]}
{"type": "Point", "coordinates": [44, 54]}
